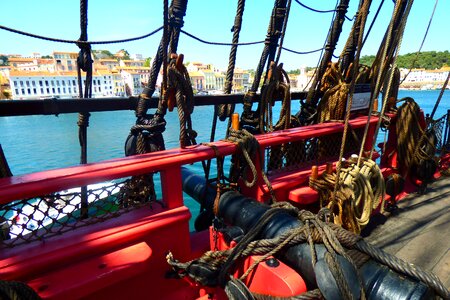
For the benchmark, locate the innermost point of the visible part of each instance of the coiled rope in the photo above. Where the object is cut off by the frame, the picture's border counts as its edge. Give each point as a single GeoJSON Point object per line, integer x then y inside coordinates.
{"type": "Point", "coordinates": [363, 187]}
{"type": "Point", "coordinates": [414, 145]}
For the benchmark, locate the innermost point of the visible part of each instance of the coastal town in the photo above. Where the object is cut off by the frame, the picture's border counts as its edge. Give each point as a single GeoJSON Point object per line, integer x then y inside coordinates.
{"type": "Point", "coordinates": [122, 75]}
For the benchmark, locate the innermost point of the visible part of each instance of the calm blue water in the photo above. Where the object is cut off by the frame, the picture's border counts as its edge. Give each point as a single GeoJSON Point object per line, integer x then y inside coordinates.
{"type": "Point", "coordinates": [36, 143]}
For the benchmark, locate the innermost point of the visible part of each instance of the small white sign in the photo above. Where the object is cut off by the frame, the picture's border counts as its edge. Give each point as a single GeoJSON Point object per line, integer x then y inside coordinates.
{"type": "Point", "coordinates": [360, 101]}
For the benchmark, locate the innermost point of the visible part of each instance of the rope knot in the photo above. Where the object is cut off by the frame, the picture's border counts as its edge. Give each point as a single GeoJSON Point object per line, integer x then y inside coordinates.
{"type": "Point", "coordinates": [83, 119]}
{"type": "Point", "coordinates": [84, 59]}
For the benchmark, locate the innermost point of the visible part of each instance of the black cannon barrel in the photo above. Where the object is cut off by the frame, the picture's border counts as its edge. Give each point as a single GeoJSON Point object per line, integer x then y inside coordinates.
{"type": "Point", "coordinates": [379, 281]}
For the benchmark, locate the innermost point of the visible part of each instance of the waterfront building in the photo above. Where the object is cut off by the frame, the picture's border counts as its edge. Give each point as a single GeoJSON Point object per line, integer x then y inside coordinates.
{"type": "Point", "coordinates": [132, 83]}
{"type": "Point", "coordinates": [131, 63]}
{"type": "Point", "coordinates": [220, 81]}
{"type": "Point", "coordinates": [136, 56]}
{"type": "Point", "coordinates": [35, 85]}
{"type": "Point", "coordinates": [65, 61]}
{"type": "Point", "coordinates": [423, 79]}
{"type": "Point", "coordinates": [210, 80]}
{"type": "Point", "coordinates": [197, 80]}
{"type": "Point", "coordinates": [106, 63]}
{"type": "Point", "coordinates": [238, 80]}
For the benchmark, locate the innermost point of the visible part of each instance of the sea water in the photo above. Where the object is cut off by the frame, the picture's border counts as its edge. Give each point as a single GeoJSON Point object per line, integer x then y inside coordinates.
{"type": "Point", "coordinates": [37, 143]}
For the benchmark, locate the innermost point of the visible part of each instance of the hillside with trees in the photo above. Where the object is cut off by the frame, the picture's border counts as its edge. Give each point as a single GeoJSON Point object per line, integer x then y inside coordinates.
{"type": "Point", "coordinates": [429, 60]}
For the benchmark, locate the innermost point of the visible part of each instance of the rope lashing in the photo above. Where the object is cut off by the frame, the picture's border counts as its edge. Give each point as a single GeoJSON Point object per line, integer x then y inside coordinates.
{"type": "Point", "coordinates": [274, 31]}
{"type": "Point", "coordinates": [174, 19]}
{"type": "Point", "coordinates": [214, 267]}
{"type": "Point", "coordinates": [226, 110]}
{"type": "Point", "coordinates": [249, 147]}
{"type": "Point", "coordinates": [84, 63]}
{"type": "Point", "coordinates": [335, 93]}
{"type": "Point", "coordinates": [180, 89]}
{"type": "Point", "coordinates": [278, 85]}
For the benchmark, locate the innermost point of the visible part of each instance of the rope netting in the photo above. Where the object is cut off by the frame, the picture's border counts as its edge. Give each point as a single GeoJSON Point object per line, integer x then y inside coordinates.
{"type": "Point", "coordinates": [27, 220]}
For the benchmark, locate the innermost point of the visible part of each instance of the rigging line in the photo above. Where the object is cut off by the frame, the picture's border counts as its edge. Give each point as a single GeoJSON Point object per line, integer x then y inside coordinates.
{"type": "Point", "coordinates": [421, 45]}
{"type": "Point", "coordinates": [321, 11]}
{"type": "Point", "coordinates": [302, 52]}
{"type": "Point", "coordinates": [322, 50]}
{"type": "Point", "coordinates": [438, 101]}
{"type": "Point", "coordinates": [373, 22]}
{"type": "Point", "coordinates": [50, 39]}
{"type": "Point", "coordinates": [283, 31]}
{"type": "Point", "coordinates": [219, 43]}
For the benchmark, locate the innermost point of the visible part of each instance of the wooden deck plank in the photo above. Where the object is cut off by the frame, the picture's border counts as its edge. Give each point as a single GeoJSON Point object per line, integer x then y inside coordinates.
{"type": "Point", "coordinates": [419, 231]}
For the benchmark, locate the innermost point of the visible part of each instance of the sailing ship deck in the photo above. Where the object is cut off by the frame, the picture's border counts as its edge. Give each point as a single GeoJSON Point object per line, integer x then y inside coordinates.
{"type": "Point", "coordinates": [419, 231]}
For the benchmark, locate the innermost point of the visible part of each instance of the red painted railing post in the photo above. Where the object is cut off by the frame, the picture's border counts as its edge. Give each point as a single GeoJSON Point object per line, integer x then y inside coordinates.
{"type": "Point", "coordinates": [171, 186]}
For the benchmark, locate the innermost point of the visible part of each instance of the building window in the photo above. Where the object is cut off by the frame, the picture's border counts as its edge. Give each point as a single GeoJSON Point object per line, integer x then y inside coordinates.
{"type": "Point", "coordinates": [73, 82]}
{"type": "Point", "coordinates": [63, 83]}
{"type": "Point", "coordinates": [69, 68]}
{"type": "Point", "coordinates": [59, 91]}
{"type": "Point", "coordinates": [48, 91]}
{"type": "Point", "coordinates": [46, 83]}
{"type": "Point", "coordinates": [28, 83]}
{"type": "Point", "coordinates": [53, 90]}
{"type": "Point", "coordinates": [17, 91]}
{"type": "Point", "coordinates": [34, 91]}
{"type": "Point", "coordinates": [70, 90]}
{"type": "Point", "coordinates": [33, 83]}
{"type": "Point", "coordinates": [53, 83]}
{"type": "Point", "coordinates": [57, 82]}
{"type": "Point", "coordinates": [23, 91]}
{"type": "Point", "coordinates": [42, 91]}
{"type": "Point", "coordinates": [21, 83]}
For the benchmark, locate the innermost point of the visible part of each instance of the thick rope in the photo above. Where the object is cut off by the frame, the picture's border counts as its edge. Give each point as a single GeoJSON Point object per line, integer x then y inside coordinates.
{"type": "Point", "coordinates": [84, 63]}
{"type": "Point", "coordinates": [224, 111]}
{"type": "Point", "coordinates": [215, 265]}
{"type": "Point", "coordinates": [249, 147]}
{"type": "Point", "coordinates": [365, 186]}
{"type": "Point", "coordinates": [333, 37]}
{"type": "Point", "coordinates": [180, 84]}
{"type": "Point", "coordinates": [362, 17]}
{"type": "Point", "coordinates": [274, 30]}
{"type": "Point", "coordinates": [50, 39]}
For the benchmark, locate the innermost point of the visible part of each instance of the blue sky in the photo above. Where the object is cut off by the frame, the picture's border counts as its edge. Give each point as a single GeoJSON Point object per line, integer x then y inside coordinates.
{"type": "Point", "coordinates": [210, 20]}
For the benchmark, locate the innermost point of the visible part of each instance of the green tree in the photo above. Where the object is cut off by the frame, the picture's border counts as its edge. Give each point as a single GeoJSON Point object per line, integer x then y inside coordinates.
{"type": "Point", "coordinates": [126, 55]}
{"type": "Point", "coordinates": [147, 62]}
{"type": "Point", "coordinates": [47, 57]}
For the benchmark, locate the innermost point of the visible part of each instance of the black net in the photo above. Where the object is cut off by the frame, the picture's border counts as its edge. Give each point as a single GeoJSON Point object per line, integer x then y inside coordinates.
{"type": "Point", "coordinates": [28, 220]}
{"type": "Point", "coordinates": [316, 150]}
{"type": "Point", "coordinates": [437, 128]}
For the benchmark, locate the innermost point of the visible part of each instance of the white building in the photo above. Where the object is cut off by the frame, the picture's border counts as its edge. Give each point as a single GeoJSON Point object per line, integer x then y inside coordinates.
{"type": "Point", "coordinates": [41, 85]}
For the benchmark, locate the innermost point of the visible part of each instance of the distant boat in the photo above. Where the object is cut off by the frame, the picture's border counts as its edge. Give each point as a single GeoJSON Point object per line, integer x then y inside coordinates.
{"type": "Point", "coordinates": [426, 87]}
